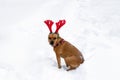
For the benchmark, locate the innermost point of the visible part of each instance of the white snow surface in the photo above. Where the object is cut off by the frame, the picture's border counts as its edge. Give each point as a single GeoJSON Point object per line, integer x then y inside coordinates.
{"type": "Point", "coordinates": [93, 26]}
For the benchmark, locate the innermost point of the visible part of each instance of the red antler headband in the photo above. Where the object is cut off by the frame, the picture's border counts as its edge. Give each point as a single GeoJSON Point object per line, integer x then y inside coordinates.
{"type": "Point", "coordinates": [49, 23]}
{"type": "Point", "coordinates": [59, 24]}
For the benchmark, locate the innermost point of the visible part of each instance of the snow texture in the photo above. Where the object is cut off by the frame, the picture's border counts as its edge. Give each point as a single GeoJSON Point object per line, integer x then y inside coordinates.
{"type": "Point", "coordinates": [92, 26]}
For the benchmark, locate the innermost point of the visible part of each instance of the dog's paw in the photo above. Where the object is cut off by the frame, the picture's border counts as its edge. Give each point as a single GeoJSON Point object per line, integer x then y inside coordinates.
{"type": "Point", "coordinates": [67, 65]}
{"type": "Point", "coordinates": [70, 69]}
{"type": "Point", "coordinates": [59, 67]}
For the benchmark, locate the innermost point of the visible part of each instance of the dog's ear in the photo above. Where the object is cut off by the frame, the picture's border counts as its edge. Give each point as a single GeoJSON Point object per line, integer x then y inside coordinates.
{"type": "Point", "coordinates": [59, 25]}
{"type": "Point", "coordinates": [49, 23]}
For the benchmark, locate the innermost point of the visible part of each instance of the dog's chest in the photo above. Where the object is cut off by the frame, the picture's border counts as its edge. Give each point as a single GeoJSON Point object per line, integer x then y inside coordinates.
{"type": "Point", "coordinates": [59, 51]}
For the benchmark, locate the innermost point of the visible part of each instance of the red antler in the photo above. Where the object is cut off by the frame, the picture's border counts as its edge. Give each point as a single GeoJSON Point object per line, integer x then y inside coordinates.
{"type": "Point", "coordinates": [49, 23]}
{"type": "Point", "coordinates": [59, 25]}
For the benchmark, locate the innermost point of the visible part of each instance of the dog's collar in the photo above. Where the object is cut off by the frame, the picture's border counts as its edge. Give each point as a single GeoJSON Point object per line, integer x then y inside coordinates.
{"type": "Point", "coordinates": [60, 42]}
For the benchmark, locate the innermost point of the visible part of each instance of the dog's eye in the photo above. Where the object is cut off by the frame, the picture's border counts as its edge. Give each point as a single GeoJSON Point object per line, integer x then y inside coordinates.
{"type": "Point", "coordinates": [54, 38]}
{"type": "Point", "coordinates": [49, 38]}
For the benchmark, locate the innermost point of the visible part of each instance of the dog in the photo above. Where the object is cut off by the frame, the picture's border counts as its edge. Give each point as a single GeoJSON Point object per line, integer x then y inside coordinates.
{"type": "Point", "coordinates": [63, 49]}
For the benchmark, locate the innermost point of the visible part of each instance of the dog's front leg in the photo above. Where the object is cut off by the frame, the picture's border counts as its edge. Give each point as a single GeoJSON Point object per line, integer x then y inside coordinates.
{"type": "Point", "coordinates": [58, 61]}
{"type": "Point", "coordinates": [66, 62]}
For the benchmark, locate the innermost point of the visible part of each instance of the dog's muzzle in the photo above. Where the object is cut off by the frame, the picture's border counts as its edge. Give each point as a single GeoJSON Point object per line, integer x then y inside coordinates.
{"type": "Point", "coordinates": [51, 43]}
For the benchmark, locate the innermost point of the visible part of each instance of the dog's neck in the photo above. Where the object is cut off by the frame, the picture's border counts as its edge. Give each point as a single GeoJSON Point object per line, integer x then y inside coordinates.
{"type": "Point", "coordinates": [61, 41]}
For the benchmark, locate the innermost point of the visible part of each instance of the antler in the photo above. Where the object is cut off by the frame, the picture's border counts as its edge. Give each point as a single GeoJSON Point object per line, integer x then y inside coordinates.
{"type": "Point", "coordinates": [59, 25]}
{"type": "Point", "coordinates": [49, 23]}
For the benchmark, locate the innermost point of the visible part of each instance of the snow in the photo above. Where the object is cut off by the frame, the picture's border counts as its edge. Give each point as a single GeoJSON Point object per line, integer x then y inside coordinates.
{"type": "Point", "coordinates": [92, 26]}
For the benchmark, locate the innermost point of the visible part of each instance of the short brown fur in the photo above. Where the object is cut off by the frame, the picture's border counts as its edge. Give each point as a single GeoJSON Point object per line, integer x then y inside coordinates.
{"type": "Point", "coordinates": [71, 55]}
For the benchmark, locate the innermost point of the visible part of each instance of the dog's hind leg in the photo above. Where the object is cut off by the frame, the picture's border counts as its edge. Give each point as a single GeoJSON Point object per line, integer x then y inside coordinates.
{"type": "Point", "coordinates": [73, 62]}
{"type": "Point", "coordinates": [71, 68]}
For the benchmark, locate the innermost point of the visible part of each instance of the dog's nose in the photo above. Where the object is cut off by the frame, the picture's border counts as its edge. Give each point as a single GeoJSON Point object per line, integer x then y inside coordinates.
{"type": "Point", "coordinates": [52, 42]}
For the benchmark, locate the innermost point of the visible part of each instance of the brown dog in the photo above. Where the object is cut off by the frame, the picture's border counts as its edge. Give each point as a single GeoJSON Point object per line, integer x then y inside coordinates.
{"type": "Point", "coordinates": [72, 56]}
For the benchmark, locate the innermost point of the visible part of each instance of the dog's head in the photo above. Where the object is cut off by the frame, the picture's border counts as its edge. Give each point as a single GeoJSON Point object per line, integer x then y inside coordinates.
{"type": "Point", "coordinates": [54, 36]}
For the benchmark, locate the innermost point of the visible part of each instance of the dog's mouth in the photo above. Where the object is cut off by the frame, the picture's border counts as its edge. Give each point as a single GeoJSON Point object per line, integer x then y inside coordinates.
{"type": "Point", "coordinates": [51, 43]}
